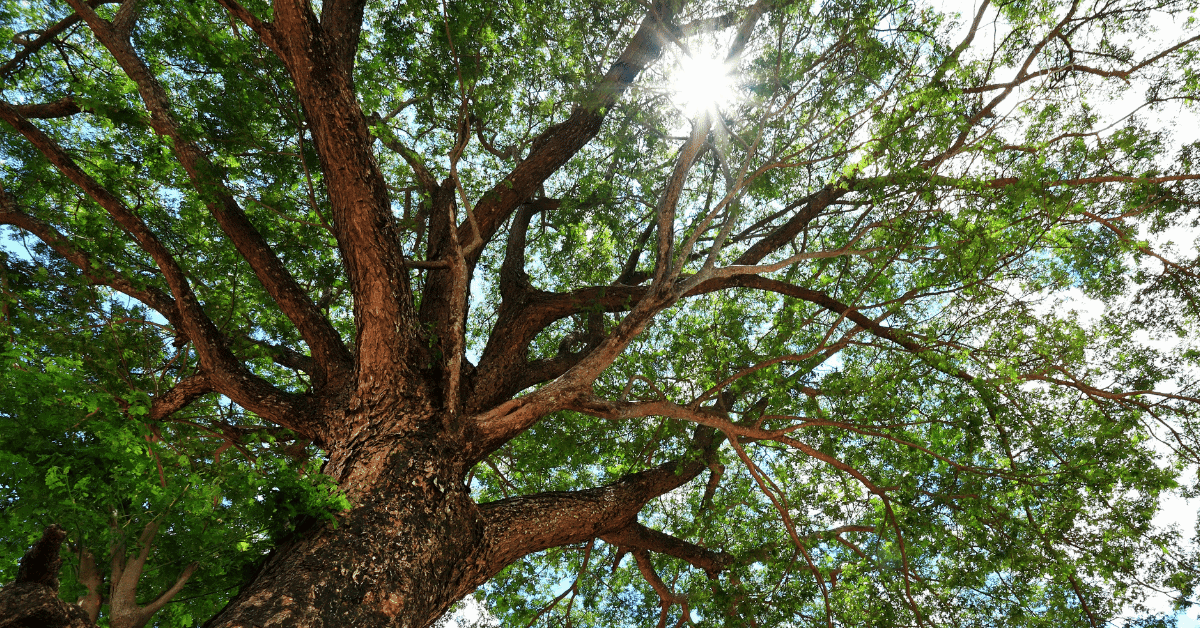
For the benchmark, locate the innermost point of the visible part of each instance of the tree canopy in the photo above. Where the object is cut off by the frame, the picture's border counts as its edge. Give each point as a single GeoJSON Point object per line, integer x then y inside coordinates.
{"type": "Point", "coordinates": [332, 313]}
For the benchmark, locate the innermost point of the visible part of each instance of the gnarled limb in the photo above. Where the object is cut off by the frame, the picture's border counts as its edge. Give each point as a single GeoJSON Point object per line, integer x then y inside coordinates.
{"type": "Point", "coordinates": [180, 396]}
{"type": "Point", "coordinates": [551, 150]}
{"type": "Point", "coordinates": [32, 599]}
{"type": "Point", "coordinates": [41, 563]}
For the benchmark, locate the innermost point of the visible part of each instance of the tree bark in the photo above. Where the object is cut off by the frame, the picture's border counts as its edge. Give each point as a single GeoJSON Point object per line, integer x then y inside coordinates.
{"type": "Point", "coordinates": [414, 541]}
{"type": "Point", "coordinates": [31, 601]}
{"type": "Point", "coordinates": [405, 552]}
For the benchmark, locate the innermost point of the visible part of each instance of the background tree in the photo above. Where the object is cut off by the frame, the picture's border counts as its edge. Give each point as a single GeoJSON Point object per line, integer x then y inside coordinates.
{"type": "Point", "coordinates": [796, 350]}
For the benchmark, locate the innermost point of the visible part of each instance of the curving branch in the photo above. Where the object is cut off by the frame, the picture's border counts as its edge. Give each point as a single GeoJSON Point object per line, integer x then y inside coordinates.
{"type": "Point", "coordinates": [636, 536]}
{"type": "Point", "coordinates": [95, 273]}
{"type": "Point", "coordinates": [1122, 73]}
{"type": "Point", "coordinates": [46, 36]}
{"type": "Point", "coordinates": [332, 357]}
{"type": "Point", "coordinates": [180, 396]}
{"type": "Point", "coordinates": [229, 375]}
{"type": "Point", "coordinates": [62, 108]}
{"type": "Point", "coordinates": [558, 143]}
{"type": "Point", "coordinates": [666, 597]}
{"type": "Point", "coordinates": [500, 424]}
{"type": "Point", "coordinates": [519, 526]}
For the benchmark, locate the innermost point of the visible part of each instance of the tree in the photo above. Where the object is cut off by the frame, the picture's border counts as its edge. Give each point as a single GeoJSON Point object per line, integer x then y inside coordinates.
{"type": "Point", "coordinates": [796, 351]}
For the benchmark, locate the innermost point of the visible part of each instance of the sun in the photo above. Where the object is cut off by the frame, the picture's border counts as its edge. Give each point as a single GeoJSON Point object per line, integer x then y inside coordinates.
{"type": "Point", "coordinates": [702, 81]}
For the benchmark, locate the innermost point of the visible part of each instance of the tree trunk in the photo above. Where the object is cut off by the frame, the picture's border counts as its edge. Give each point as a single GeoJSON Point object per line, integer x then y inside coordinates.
{"type": "Point", "coordinates": [414, 542]}
{"type": "Point", "coordinates": [407, 550]}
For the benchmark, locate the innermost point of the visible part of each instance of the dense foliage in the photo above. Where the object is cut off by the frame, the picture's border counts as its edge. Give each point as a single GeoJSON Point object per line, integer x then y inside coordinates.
{"type": "Point", "coordinates": [920, 294]}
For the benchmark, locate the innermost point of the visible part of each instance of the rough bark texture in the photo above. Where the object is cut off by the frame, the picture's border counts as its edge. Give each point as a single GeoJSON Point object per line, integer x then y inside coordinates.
{"type": "Point", "coordinates": [31, 601]}
{"type": "Point", "coordinates": [406, 551]}
{"type": "Point", "coordinates": [30, 605]}
{"type": "Point", "coordinates": [415, 542]}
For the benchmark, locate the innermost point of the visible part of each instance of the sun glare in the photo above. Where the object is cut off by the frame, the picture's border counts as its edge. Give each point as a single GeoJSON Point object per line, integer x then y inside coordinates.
{"type": "Point", "coordinates": [701, 82]}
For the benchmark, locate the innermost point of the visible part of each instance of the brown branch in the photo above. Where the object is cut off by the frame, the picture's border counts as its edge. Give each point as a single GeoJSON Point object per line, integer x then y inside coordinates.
{"type": "Point", "coordinates": [1145, 249]}
{"type": "Point", "coordinates": [229, 375]}
{"type": "Point", "coordinates": [810, 207]}
{"type": "Point", "coordinates": [1104, 394]}
{"type": "Point", "coordinates": [558, 143]}
{"type": "Point", "coordinates": [264, 30]}
{"type": "Point", "coordinates": [988, 109]}
{"type": "Point", "coordinates": [332, 357]}
{"type": "Point", "coordinates": [46, 37]}
{"type": "Point", "coordinates": [124, 611]}
{"type": "Point", "coordinates": [341, 22]}
{"type": "Point", "coordinates": [636, 536]}
{"type": "Point", "coordinates": [41, 563]}
{"type": "Point", "coordinates": [519, 526]}
{"type": "Point", "coordinates": [318, 60]}
{"type": "Point", "coordinates": [161, 601]}
{"type": "Point", "coordinates": [91, 578]}
{"type": "Point", "coordinates": [553, 148]}
{"type": "Point", "coordinates": [539, 309]}
{"type": "Point", "coordinates": [1082, 69]}
{"type": "Point", "coordinates": [1004, 182]}
{"type": "Point", "coordinates": [716, 471]}
{"type": "Point", "coordinates": [61, 108]}
{"type": "Point", "coordinates": [778, 499]}
{"type": "Point", "coordinates": [178, 397]}
{"type": "Point", "coordinates": [503, 422]}
{"type": "Point", "coordinates": [501, 368]}
{"type": "Point", "coordinates": [503, 371]}
{"type": "Point", "coordinates": [32, 600]}
{"type": "Point", "coordinates": [424, 178]}
{"type": "Point", "coordinates": [667, 597]}
{"type": "Point", "coordinates": [91, 269]}
{"type": "Point", "coordinates": [284, 356]}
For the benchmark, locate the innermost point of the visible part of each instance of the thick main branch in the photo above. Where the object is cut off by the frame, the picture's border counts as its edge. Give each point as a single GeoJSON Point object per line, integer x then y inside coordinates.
{"type": "Point", "coordinates": [523, 525]}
